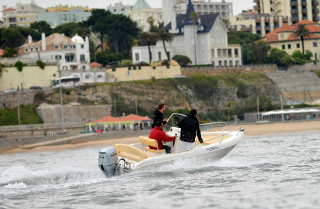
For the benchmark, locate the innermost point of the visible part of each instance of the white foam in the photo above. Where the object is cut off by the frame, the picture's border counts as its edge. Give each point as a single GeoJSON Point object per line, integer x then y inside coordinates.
{"type": "Point", "coordinates": [17, 185]}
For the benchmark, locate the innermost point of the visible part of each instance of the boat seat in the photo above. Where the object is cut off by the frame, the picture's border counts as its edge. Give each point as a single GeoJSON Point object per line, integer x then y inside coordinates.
{"type": "Point", "coordinates": [215, 140]}
{"type": "Point", "coordinates": [130, 152]}
{"type": "Point", "coordinates": [151, 142]}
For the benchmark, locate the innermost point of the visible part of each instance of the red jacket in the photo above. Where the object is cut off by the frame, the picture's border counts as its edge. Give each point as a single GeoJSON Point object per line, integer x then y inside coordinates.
{"type": "Point", "coordinates": [160, 136]}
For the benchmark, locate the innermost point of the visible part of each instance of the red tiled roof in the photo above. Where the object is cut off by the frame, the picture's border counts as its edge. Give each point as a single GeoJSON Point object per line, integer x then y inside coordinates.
{"type": "Point", "coordinates": [285, 28]}
{"type": "Point", "coordinates": [9, 9]}
{"type": "Point", "coordinates": [1, 52]}
{"type": "Point", "coordinates": [95, 64]}
{"type": "Point", "coordinates": [106, 119]}
{"type": "Point", "coordinates": [134, 117]}
{"type": "Point", "coordinates": [293, 37]}
{"type": "Point", "coordinates": [307, 22]}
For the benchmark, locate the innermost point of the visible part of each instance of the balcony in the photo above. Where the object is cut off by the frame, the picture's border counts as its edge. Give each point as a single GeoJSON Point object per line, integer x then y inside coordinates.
{"type": "Point", "coordinates": [276, 26]}
{"type": "Point", "coordinates": [315, 11]}
{"type": "Point", "coordinates": [275, 20]}
{"type": "Point", "coordinates": [257, 8]}
{"type": "Point", "coordinates": [245, 29]}
{"type": "Point", "coordinates": [258, 20]}
{"type": "Point", "coordinates": [304, 17]}
{"type": "Point", "coordinates": [285, 20]}
{"type": "Point", "coordinates": [304, 11]}
{"type": "Point", "coordinates": [315, 3]}
{"type": "Point", "coordinates": [267, 27]}
{"type": "Point", "coordinates": [316, 19]}
{"type": "Point", "coordinates": [304, 3]}
{"type": "Point", "coordinates": [295, 18]}
{"type": "Point", "coordinates": [294, 11]}
{"type": "Point", "coordinates": [294, 3]}
{"type": "Point", "coordinates": [258, 27]}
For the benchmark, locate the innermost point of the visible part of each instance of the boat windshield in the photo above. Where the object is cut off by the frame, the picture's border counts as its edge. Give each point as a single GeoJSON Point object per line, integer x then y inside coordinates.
{"type": "Point", "coordinates": [173, 121]}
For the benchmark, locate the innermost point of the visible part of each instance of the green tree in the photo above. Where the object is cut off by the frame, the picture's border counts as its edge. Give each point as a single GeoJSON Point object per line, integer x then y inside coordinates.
{"type": "Point", "coordinates": [71, 29]}
{"type": "Point", "coordinates": [153, 28]}
{"type": "Point", "coordinates": [258, 52]}
{"type": "Point", "coordinates": [308, 55]}
{"type": "Point", "coordinates": [242, 38]}
{"type": "Point", "coordinates": [147, 38]}
{"type": "Point", "coordinates": [297, 54]}
{"type": "Point", "coordinates": [165, 36]}
{"type": "Point", "coordinates": [303, 32]}
{"type": "Point", "coordinates": [195, 17]}
{"type": "Point", "coordinates": [182, 59]}
{"type": "Point", "coordinates": [36, 36]}
{"type": "Point", "coordinates": [42, 27]}
{"type": "Point", "coordinates": [286, 61]}
{"type": "Point", "coordinates": [10, 52]}
{"type": "Point", "coordinates": [12, 37]}
{"type": "Point", "coordinates": [275, 55]}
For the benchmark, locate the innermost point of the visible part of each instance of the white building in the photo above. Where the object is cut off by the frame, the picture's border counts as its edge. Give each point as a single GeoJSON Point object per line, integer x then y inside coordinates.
{"type": "Point", "coordinates": [73, 53]}
{"type": "Point", "coordinates": [119, 8]}
{"type": "Point", "coordinates": [207, 39]}
{"type": "Point", "coordinates": [225, 9]}
{"type": "Point", "coordinates": [23, 15]}
{"type": "Point", "coordinates": [140, 13]}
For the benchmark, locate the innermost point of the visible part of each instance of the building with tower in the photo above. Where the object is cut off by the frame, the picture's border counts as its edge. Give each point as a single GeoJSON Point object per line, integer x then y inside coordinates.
{"type": "Point", "coordinates": [205, 42]}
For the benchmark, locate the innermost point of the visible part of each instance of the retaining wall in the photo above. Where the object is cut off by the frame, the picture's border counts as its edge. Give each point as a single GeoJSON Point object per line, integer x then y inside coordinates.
{"type": "Point", "coordinates": [210, 70]}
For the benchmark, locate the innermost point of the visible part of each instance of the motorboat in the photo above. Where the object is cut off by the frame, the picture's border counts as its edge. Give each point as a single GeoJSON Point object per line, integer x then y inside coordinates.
{"type": "Point", "coordinates": [126, 158]}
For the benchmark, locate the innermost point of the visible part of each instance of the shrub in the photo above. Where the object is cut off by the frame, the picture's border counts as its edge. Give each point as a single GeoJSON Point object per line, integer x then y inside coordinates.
{"type": "Point", "coordinates": [41, 64]}
{"type": "Point", "coordinates": [19, 65]}
{"type": "Point", "coordinates": [182, 59]}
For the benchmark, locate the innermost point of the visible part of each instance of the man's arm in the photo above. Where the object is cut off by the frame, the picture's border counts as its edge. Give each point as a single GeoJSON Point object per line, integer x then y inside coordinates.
{"type": "Point", "coordinates": [199, 134]}
{"type": "Point", "coordinates": [166, 138]}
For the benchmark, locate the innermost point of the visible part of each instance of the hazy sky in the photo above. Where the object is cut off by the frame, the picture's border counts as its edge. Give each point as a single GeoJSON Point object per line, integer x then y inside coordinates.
{"type": "Point", "coordinates": [238, 5]}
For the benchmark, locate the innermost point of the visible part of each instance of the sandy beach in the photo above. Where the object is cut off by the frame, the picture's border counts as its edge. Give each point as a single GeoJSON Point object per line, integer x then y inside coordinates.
{"type": "Point", "coordinates": [250, 131]}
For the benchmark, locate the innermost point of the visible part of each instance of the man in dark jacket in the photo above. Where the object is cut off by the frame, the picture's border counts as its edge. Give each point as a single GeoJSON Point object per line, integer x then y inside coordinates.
{"type": "Point", "coordinates": [189, 129]}
{"type": "Point", "coordinates": [158, 135]}
{"type": "Point", "coordinates": [159, 115]}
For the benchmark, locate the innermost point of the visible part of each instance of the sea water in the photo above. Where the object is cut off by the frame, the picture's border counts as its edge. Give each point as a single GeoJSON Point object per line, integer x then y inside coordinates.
{"type": "Point", "coordinates": [261, 172]}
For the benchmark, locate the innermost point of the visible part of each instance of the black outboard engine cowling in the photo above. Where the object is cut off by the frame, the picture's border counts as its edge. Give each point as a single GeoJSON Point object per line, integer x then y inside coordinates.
{"type": "Point", "coordinates": [108, 161]}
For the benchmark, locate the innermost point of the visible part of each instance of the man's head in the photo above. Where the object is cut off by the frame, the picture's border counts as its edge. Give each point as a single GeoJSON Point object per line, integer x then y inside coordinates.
{"type": "Point", "coordinates": [162, 107]}
{"type": "Point", "coordinates": [193, 112]}
{"type": "Point", "coordinates": [159, 124]}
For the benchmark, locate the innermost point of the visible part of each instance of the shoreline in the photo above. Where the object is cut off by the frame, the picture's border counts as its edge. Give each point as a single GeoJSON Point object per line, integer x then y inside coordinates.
{"type": "Point", "coordinates": [251, 130]}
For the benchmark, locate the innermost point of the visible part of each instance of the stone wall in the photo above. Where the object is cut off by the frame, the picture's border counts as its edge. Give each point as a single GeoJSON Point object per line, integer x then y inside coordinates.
{"type": "Point", "coordinates": [39, 129]}
{"type": "Point", "coordinates": [73, 113]}
{"type": "Point", "coordinates": [210, 70]}
{"type": "Point", "coordinates": [306, 67]}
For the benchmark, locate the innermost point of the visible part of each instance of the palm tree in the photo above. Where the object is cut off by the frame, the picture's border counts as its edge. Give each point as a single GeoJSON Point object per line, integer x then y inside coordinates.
{"type": "Point", "coordinates": [165, 36]}
{"type": "Point", "coordinates": [303, 32]}
{"type": "Point", "coordinates": [147, 38]}
{"type": "Point", "coordinates": [195, 17]}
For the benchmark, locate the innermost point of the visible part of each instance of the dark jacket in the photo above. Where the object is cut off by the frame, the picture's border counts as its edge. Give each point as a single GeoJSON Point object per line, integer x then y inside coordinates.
{"type": "Point", "coordinates": [189, 128]}
{"type": "Point", "coordinates": [158, 117]}
{"type": "Point", "coordinates": [158, 134]}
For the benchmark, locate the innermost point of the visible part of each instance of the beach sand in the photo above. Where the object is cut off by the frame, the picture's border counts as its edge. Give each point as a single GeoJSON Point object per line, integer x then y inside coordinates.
{"type": "Point", "coordinates": [250, 130]}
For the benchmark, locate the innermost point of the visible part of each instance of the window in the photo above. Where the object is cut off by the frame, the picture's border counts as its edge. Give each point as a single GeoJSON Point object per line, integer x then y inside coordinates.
{"type": "Point", "coordinates": [283, 46]}
{"type": "Point", "coordinates": [315, 44]}
{"type": "Point", "coordinates": [87, 77]}
{"type": "Point", "coordinates": [65, 46]}
{"type": "Point", "coordinates": [58, 57]}
{"type": "Point", "coordinates": [31, 49]}
{"type": "Point", "coordinates": [137, 57]}
{"type": "Point", "coordinates": [289, 46]}
{"type": "Point", "coordinates": [82, 46]}
{"type": "Point", "coordinates": [26, 50]}
{"type": "Point", "coordinates": [72, 46]}
{"type": "Point", "coordinates": [298, 45]}
{"type": "Point", "coordinates": [82, 58]}
{"type": "Point", "coordinates": [159, 55]}
{"type": "Point", "coordinates": [282, 36]}
{"type": "Point", "coordinates": [83, 67]}
{"type": "Point", "coordinates": [37, 48]}
{"type": "Point", "coordinates": [56, 46]}
{"type": "Point", "coordinates": [99, 76]}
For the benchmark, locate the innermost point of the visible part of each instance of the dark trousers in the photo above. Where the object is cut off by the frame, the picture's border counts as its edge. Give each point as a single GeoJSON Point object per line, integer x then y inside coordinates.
{"type": "Point", "coordinates": [167, 148]}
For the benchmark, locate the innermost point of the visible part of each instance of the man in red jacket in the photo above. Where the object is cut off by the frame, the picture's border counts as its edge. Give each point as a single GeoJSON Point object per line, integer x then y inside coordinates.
{"type": "Point", "coordinates": [158, 134]}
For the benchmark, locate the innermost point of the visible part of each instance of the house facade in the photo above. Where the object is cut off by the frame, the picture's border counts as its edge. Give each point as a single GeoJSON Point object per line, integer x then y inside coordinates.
{"type": "Point", "coordinates": [205, 42]}
{"type": "Point", "coordinates": [284, 39]}
{"type": "Point", "coordinates": [72, 53]}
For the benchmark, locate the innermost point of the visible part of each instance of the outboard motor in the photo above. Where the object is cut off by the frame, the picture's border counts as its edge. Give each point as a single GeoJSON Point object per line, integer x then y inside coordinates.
{"type": "Point", "coordinates": [108, 161]}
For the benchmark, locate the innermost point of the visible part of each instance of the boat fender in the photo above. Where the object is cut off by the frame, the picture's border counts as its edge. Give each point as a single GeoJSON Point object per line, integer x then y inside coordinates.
{"type": "Point", "coordinates": [108, 161]}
